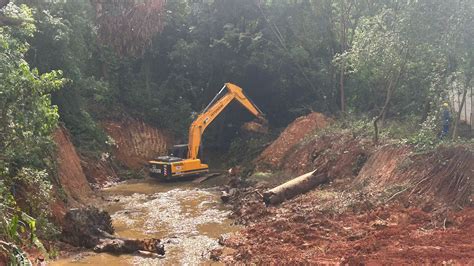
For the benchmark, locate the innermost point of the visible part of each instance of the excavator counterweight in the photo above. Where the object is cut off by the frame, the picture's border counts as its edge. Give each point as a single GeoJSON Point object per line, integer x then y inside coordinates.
{"type": "Point", "coordinates": [183, 160]}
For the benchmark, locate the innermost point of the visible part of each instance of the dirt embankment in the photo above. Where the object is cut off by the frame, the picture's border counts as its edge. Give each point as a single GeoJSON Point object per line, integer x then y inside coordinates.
{"type": "Point", "coordinates": [136, 142]}
{"type": "Point", "coordinates": [73, 182]}
{"type": "Point", "coordinates": [100, 172]}
{"type": "Point", "coordinates": [386, 205]}
{"type": "Point", "coordinates": [273, 156]}
{"type": "Point", "coordinates": [71, 175]}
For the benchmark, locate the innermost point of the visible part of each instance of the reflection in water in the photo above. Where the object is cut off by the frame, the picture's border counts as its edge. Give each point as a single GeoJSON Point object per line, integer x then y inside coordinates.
{"type": "Point", "coordinates": [188, 219]}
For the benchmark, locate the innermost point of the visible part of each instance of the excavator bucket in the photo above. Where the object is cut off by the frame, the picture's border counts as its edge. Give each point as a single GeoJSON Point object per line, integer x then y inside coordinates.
{"type": "Point", "coordinates": [258, 126]}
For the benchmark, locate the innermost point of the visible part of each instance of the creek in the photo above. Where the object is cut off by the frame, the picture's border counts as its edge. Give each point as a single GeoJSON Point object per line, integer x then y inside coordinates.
{"type": "Point", "coordinates": [187, 217]}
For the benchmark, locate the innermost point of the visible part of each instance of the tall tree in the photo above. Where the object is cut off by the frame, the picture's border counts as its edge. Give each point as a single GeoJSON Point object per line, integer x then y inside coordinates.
{"type": "Point", "coordinates": [129, 26]}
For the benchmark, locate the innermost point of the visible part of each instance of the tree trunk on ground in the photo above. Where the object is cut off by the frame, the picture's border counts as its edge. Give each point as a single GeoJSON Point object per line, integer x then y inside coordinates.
{"type": "Point", "coordinates": [294, 187]}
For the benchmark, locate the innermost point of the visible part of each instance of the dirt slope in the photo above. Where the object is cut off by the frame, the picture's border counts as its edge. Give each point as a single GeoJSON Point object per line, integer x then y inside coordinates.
{"type": "Point", "coordinates": [443, 176]}
{"type": "Point", "coordinates": [136, 142]}
{"type": "Point", "coordinates": [70, 172]}
{"type": "Point", "coordinates": [273, 155]}
{"type": "Point", "coordinates": [389, 213]}
{"type": "Point", "coordinates": [100, 172]}
{"type": "Point", "coordinates": [382, 205]}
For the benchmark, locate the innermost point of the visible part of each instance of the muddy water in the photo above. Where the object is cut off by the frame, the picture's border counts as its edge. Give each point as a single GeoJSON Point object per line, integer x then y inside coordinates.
{"type": "Point", "coordinates": [187, 218]}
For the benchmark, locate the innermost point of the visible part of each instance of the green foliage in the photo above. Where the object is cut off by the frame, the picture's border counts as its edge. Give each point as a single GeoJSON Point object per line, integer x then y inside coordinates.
{"type": "Point", "coordinates": [289, 52]}
{"type": "Point", "coordinates": [426, 138]}
{"type": "Point", "coordinates": [66, 39]}
{"type": "Point", "coordinates": [27, 120]}
{"type": "Point", "coordinates": [27, 116]}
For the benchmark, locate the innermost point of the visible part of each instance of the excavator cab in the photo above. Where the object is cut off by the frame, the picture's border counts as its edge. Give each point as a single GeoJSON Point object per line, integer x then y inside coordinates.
{"type": "Point", "coordinates": [182, 160]}
{"type": "Point", "coordinates": [180, 151]}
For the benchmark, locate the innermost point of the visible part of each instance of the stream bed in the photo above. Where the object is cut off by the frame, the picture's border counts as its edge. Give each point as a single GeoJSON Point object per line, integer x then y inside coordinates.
{"type": "Point", "coordinates": [189, 219]}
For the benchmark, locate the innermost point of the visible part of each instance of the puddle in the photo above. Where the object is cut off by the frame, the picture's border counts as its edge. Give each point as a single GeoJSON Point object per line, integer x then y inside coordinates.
{"type": "Point", "coordinates": [187, 218]}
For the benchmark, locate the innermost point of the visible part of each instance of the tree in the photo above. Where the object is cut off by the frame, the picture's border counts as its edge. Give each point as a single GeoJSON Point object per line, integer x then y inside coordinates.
{"type": "Point", "coordinates": [129, 26]}
{"type": "Point", "coordinates": [461, 54]}
{"type": "Point", "coordinates": [27, 120]}
{"type": "Point", "coordinates": [7, 20]}
{"type": "Point", "coordinates": [379, 53]}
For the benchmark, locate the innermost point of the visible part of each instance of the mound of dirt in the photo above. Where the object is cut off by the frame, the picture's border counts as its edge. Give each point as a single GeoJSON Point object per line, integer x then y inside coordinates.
{"type": "Point", "coordinates": [339, 155]}
{"type": "Point", "coordinates": [273, 155]}
{"type": "Point", "coordinates": [136, 142]}
{"type": "Point", "coordinates": [71, 175]}
{"type": "Point", "coordinates": [443, 176]}
{"type": "Point", "coordinates": [382, 205]}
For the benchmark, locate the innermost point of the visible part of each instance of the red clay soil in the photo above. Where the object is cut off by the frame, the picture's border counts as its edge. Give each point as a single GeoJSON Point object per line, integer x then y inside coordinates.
{"type": "Point", "coordinates": [298, 233]}
{"type": "Point", "coordinates": [384, 163]}
{"type": "Point", "coordinates": [3, 258]}
{"type": "Point", "coordinates": [383, 205]}
{"type": "Point", "coordinates": [273, 155]}
{"type": "Point", "coordinates": [337, 154]}
{"type": "Point", "coordinates": [71, 175]}
{"type": "Point", "coordinates": [136, 142]}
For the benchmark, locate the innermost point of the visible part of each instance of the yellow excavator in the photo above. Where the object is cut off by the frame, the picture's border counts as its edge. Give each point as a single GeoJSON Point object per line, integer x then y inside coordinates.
{"type": "Point", "coordinates": [183, 160]}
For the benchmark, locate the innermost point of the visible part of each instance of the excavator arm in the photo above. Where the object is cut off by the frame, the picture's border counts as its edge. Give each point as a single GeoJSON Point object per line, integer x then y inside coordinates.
{"type": "Point", "coordinates": [217, 105]}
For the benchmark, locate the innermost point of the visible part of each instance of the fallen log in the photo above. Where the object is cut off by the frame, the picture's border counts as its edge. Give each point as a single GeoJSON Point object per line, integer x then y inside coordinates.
{"type": "Point", "coordinates": [92, 228]}
{"type": "Point", "coordinates": [117, 245]}
{"type": "Point", "coordinates": [296, 186]}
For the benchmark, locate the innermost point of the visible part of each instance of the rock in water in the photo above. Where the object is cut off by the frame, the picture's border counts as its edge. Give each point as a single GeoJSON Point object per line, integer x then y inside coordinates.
{"type": "Point", "coordinates": [84, 227]}
{"type": "Point", "coordinates": [92, 228]}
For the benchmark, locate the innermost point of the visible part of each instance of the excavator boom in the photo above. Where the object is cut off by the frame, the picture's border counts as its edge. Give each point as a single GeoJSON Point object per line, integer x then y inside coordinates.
{"type": "Point", "coordinates": [171, 166]}
{"type": "Point", "coordinates": [217, 105]}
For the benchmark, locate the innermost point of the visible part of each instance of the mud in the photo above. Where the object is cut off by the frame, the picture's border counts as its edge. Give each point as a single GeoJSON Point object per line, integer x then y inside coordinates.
{"type": "Point", "coordinates": [381, 205]}
{"type": "Point", "coordinates": [187, 218]}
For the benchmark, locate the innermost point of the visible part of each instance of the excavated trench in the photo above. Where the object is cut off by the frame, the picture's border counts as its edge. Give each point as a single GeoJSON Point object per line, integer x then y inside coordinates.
{"type": "Point", "coordinates": [189, 219]}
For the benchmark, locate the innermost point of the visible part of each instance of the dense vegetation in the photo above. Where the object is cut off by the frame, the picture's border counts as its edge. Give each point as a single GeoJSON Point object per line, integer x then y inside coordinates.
{"type": "Point", "coordinates": [162, 61]}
